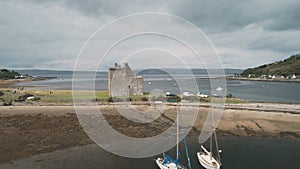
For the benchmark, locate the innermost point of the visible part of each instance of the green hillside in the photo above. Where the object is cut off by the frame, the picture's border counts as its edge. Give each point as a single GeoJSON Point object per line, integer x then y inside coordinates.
{"type": "Point", "coordinates": [285, 68]}
{"type": "Point", "coordinates": [6, 74]}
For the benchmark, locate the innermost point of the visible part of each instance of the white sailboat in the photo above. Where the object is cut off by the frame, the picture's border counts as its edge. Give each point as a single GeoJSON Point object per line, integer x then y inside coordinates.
{"type": "Point", "coordinates": [206, 158]}
{"type": "Point", "coordinates": [169, 163]}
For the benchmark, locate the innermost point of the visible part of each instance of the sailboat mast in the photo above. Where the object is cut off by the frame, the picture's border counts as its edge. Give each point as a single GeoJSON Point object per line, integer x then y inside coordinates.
{"type": "Point", "coordinates": [217, 147]}
{"type": "Point", "coordinates": [211, 137]}
{"type": "Point", "coordinates": [177, 135]}
{"type": "Point", "coordinates": [211, 141]}
{"type": "Point", "coordinates": [210, 149]}
{"type": "Point", "coordinates": [184, 140]}
{"type": "Point", "coordinates": [187, 153]}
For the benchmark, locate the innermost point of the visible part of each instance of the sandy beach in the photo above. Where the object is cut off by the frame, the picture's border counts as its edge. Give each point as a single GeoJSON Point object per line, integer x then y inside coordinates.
{"type": "Point", "coordinates": [10, 82]}
{"type": "Point", "coordinates": [30, 130]}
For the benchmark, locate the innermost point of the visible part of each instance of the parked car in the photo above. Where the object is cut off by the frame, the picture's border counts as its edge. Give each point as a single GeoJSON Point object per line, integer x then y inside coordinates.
{"type": "Point", "coordinates": [172, 97]}
{"type": "Point", "coordinates": [202, 95]}
{"type": "Point", "coordinates": [170, 94]}
{"type": "Point", "coordinates": [216, 95]}
{"type": "Point", "coordinates": [187, 94]}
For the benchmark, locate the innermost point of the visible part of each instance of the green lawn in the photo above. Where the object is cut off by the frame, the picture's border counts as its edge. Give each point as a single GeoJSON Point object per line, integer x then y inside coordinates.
{"type": "Point", "coordinates": [55, 96]}
{"type": "Point", "coordinates": [66, 96]}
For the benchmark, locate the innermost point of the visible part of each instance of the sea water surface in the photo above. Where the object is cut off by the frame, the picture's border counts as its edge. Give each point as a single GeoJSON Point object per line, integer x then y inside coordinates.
{"type": "Point", "coordinates": [238, 153]}
{"type": "Point", "coordinates": [259, 91]}
{"type": "Point", "coordinates": [249, 153]}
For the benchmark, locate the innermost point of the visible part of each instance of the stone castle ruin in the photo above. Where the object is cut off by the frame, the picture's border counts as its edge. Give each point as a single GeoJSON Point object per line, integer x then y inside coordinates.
{"type": "Point", "coordinates": [123, 82]}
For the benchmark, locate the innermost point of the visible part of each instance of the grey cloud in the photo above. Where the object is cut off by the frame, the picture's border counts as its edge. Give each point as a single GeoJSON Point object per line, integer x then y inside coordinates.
{"type": "Point", "coordinates": [216, 15]}
{"type": "Point", "coordinates": [33, 35]}
{"type": "Point", "coordinates": [282, 42]}
{"type": "Point", "coordinates": [114, 8]}
{"type": "Point", "coordinates": [286, 19]}
{"type": "Point", "coordinates": [230, 15]}
{"type": "Point", "coordinates": [257, 38]}
{"type": "Point", "coordinates": [221, 15]}
{"type": "Point", "coordinates": [50, 33]}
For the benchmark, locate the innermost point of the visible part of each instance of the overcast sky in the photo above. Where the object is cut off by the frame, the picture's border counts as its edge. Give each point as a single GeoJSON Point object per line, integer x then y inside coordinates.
{"type": "Point", "coordinates": [48, 34]}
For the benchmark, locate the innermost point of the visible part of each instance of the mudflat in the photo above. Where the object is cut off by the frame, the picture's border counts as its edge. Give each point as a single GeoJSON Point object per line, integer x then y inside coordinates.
{"type": "Point", "coordinates": [30, 130]}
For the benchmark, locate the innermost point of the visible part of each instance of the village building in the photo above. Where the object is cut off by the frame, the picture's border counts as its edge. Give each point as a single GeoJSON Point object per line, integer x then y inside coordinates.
{"type": "Point", "coordinates": [123, 82]}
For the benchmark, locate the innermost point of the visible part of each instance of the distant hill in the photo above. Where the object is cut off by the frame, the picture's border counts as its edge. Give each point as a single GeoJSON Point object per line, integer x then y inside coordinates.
{"type": "Point", "coordinates": [6, 74]}
{"type": "Point", "coordinates": [174, 71]}
{"type": "Point", "coordinates": [287, 67]}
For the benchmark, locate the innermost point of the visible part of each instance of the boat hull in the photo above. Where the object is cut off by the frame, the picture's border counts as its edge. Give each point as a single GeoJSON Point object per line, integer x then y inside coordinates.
{"type": "Point", "coordinates": [207, 162]}
{"type": "Point", "coordinates": [159, 162]}
{"type": "Point", "coordinates": [171, 165]}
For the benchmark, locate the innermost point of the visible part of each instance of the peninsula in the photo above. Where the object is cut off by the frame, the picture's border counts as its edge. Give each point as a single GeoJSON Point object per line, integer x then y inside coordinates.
{"type": "Point", "coordinates": [285, 70]}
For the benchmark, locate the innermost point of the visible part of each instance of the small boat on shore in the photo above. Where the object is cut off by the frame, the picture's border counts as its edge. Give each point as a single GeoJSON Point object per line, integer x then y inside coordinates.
{"type": "Point", "coordinates": [219, 89]}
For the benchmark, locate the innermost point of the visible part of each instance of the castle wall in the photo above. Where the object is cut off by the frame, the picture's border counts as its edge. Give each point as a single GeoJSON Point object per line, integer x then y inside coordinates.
{"type": "Point", "coordinates": [137, 86]}
{"type": "Point", "coordinates": [122, 82]}
{"type": "Point", "coordinates": [110, 76]}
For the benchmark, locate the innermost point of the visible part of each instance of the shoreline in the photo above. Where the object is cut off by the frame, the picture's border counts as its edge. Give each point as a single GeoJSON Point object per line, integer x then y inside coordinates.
{"type": "Point", "coordinates": [9, 83]}
{"type": "Point", "coordinates": [49, 96]}
{"type": "Point", "coordinates": [263, 80]}
{"type": "Point", "coordinates": [31, 130]}
{"type": "Point", "coordinates": [290, 108]}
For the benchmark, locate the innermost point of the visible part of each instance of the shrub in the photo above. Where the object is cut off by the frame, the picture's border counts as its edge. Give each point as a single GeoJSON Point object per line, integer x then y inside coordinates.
{"type": "Point", "coordinates": [144, 99]}
{"type": "Point", "coordinates": [191, 98]}
{"type": "Point", "coordinates": [229, 95]}
{"type": "Point", "coordinates": [114, 99]}
{"type": "Point", "coordinates": [128, 99]}
{"type": "Point", "coordinates": [5, 74]}
{"type": "Point", "coordinates": [1, 93]}
{"type": "Point", "coordinates": [110, 99]}
{"type": "Point", "coordinates": [158, 98]}
{"type": "Point", "coordinates": [23, 97]}
{"type": "Point", "coordinates": [206, 100]}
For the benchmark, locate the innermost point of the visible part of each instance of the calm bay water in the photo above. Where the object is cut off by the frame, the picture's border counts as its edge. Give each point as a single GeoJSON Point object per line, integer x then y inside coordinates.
{"type": "Point", "coordinates": [238, 153]}
{"type": "Point", "coordinates": [282, 92]}
{"type": "Point", "coordinates": [252, 152]}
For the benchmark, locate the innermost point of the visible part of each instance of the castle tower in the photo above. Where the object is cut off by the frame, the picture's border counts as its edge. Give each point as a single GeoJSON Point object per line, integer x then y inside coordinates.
{"type": "Point", "coordinates": [123, 82]}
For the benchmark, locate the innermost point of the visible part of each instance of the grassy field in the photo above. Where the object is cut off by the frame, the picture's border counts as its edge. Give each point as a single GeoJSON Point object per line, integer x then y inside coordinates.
{"type": "Point", "coordinates": [66, 96]}
{"type": "Point", "coordinates": [62, 96]}
{"type": "Point", "coordinates": [53, 96]}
